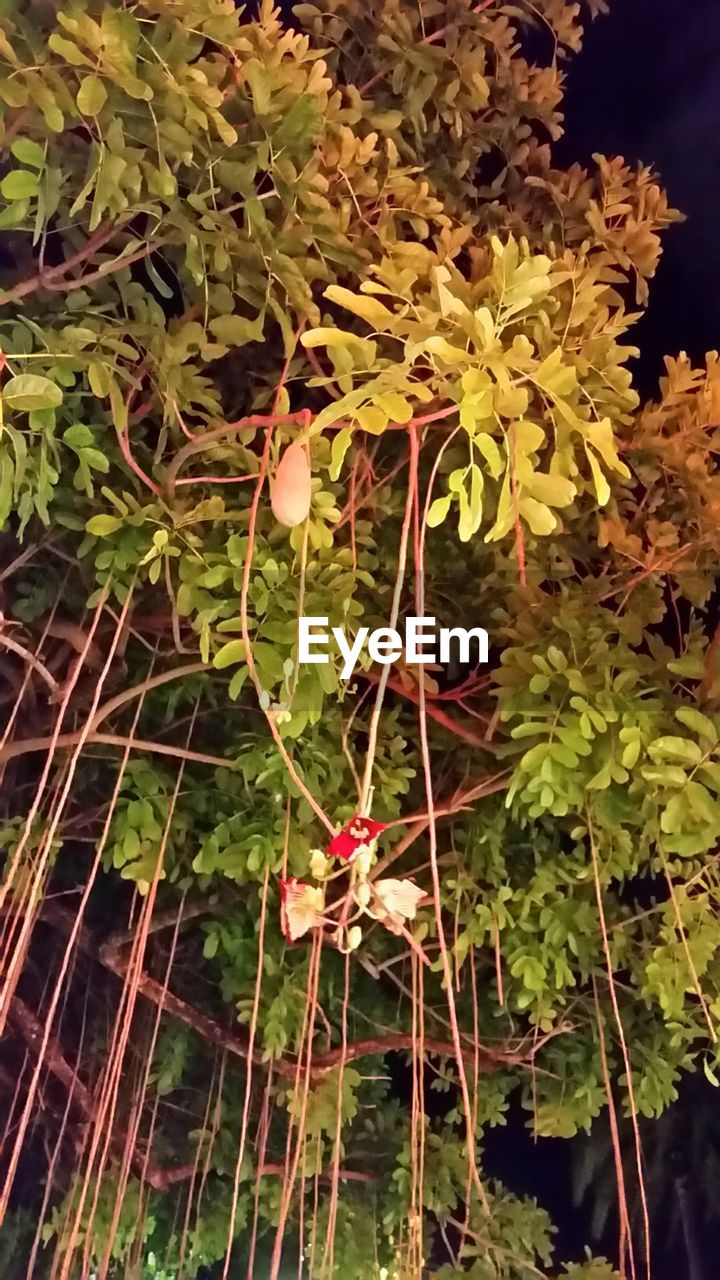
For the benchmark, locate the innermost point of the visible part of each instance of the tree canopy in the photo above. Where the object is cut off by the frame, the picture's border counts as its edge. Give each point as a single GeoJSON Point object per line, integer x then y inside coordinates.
{"type": "Point", "coordinates": [278, 947]}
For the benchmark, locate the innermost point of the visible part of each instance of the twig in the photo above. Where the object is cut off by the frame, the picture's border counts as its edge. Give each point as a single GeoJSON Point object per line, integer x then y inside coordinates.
{"type": "Point", "coordinates": [252, 421]}
{"type": "Point", "coordinates": [25, 745]}
{"type": "Point", "coordinates": [35, 663]}
{"type": "Point", "coordinates": [19, 560]}
{"type": "Point", "coordinates": [434, 712]}
{"type": "Point", "coordinates": [97, 240]}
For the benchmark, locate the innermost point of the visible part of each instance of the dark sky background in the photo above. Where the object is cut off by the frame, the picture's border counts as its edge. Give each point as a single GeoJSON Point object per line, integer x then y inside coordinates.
{"type": "Point", "coordinates": [647, 87]}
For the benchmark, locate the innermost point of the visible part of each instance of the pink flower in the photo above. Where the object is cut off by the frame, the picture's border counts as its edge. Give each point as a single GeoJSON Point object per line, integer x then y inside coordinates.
{"type": "Point", "coordinates": [355, 835]}
{"type": "Point", "coordinates": [301, 908]}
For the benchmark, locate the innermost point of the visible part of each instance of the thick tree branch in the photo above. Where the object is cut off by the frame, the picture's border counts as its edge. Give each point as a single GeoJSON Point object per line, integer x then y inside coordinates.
{"type": "Point", "coordinates": [236, 1043]}
{"type": "Point", "coordinates": [32, 1032]}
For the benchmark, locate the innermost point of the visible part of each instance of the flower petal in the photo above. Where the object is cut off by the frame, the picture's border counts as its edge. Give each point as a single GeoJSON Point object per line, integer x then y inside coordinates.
{"type": "Point", "coordinates": [364, 829]}
{"type": "Point", "coordinates": [301, 908]}
{"type": "Point", "coordinates": [342, 846]}
{"type": "Point", "coordinates": [356, 834]}
{"type": "Point", "coordinates": [400, 898]}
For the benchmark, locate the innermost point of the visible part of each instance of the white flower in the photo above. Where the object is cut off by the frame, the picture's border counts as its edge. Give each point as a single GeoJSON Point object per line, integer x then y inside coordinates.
{"type": "Point", "coordinates": [301, 908]}
{"type": "Point", "coordinates": [397, 899]}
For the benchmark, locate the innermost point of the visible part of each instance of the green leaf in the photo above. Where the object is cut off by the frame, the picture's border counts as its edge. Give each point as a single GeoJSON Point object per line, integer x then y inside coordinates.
{"type": "Point", "coordinates": [340, 445]}
{"type": "Point", "coordinates": [69, 51]}
{"type": "Point", "coordinates": [91, 97]}
{"type": "Point", "coordinates": [438, 510]}
{"type": "Point", "coordinates": [490, 451]}
{"type": "Point", "coordinates": [20, 184]}
{"type": "Point", "coordinates": [372, 418]}
{"type": "Point", "coordinates": [95, 459]}
{"type": "Point", "coordinates": [539, 517]}
{"type": "Point", "coordinates": [232, 652]}
{"type": "Point", "coordinates": [78, 436]}
{"type": "Point", "coordinates": [14, 92]}
{"type": "Point", "coordinates": [210, 945]}
{"type": "Point", "coordinates": [327, 337]}
{"type": "Point", "coordinates": [101, 526]}
{"type": "Point", "coordinates": [258, 79]}
{"type": "Point", "coordinates": [369, 309]}
{"type": "Point", "coordinates": [99, 378]}
{"type": "Point", "coordinates": [553, 490]}
{"type": "Point", "coordinates": [700, 724]}
{"type": "Point", "coordinates": [710, 1074]}
{"type": "Point", "coordinates": [235, 331]}
{"type": "Point", "coordinates": [29, 152]}
{"type": "Point", "coordinates": [398, 408]}
{"type": "Point", "coordinates": [670, 748]}
{"type": "Point", "coordinates": [527, 437]}
{"type": "Point", "coordinates": [30, 391]}
{"type": "Point", "coordinates": [602, 488]}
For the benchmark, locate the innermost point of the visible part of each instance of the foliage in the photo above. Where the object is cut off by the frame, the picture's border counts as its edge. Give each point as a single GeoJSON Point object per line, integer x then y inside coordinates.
{"type": "Point", "coordinates": [225, 234]}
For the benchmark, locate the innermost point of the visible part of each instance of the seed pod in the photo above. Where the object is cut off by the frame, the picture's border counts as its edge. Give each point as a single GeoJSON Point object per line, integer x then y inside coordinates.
{"type": "Point", "coordinates": [290, 500]}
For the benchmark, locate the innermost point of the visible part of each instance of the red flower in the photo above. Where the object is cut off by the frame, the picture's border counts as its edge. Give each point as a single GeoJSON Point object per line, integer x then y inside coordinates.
{"type": "Point", "coordinates": [301, 908]}
{"type": "Point", "coordinates": [355, 835]}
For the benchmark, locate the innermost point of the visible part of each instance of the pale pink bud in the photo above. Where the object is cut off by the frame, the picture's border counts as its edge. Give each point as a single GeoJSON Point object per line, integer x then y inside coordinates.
{"type": "Point", "coordinates": [291, 490]}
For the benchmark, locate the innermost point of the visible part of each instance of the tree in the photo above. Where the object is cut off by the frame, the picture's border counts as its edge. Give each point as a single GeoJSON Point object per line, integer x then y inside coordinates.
{"type": "Point", "coordinates": [339, 233]}
{"type": "Point", "coordinates": [680, 1163]}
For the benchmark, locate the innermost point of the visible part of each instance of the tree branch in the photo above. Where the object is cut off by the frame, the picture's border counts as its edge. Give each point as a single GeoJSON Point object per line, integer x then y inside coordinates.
{"type": "Point", "coordinates": [25, 745]}
{"type": "Point", "coordinates": [217, 434]}
{"type": "Point", "coordinates": [431, 710]}
{"type": "Point", "coordinates": [236, 1043]}
{"type": "Point", "coordinates": [97, 240]}
{"type": "Point", "coordinates": [32, 1032]}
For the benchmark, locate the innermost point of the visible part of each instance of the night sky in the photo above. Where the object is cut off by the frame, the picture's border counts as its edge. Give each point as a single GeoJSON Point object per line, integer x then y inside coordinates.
{"type": "Point", "coordinates": [647, 87]}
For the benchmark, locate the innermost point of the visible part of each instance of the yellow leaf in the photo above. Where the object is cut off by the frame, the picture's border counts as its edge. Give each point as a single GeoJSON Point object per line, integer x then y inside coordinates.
{"type": "Point", "coordinates": [554, 490]}
{"type": "Point", "coordinates": [539, 517]}
{"type": "Point", "coordinates": [369, 309]}
{"type": "Point", "coordinates": [602, 488]}
{"type": "Point", "coordinates": [438, 346]}
{"type": "Point", "coordinates": [372, 418]}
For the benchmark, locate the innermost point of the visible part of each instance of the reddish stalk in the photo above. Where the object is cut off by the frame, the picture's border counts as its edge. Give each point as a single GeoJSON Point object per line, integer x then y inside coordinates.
{"type": "Point", "coordinates": [249, 1076]}
{"type": "Point", "coordinates": [107, 1104]}
{"type": "Point", "coordinates": [625, 1241]}
{"type": "Point", "coordinates": [12, 971]}
{"type": "Point", "coordinates": [432, 832]}
{"type": "Point", "coordinates": [623, 1043]}
{"type": "Point", "coordinates": [291, 1165]}
{"type": "Point", "coordinates": [337, 1152]}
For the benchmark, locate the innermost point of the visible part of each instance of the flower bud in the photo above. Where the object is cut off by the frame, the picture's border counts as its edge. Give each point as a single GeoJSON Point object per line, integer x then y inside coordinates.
{"type": "Point", "coordinates": [318, 864]}
{"type": "Point", "coordinates": [364, 861]}
{"type": "Point", "coordinates": [292, 489]}
{"type": "Point", "coordinates": [362, 893]}
{"type": "Point", "coordinates": [354, 937]}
